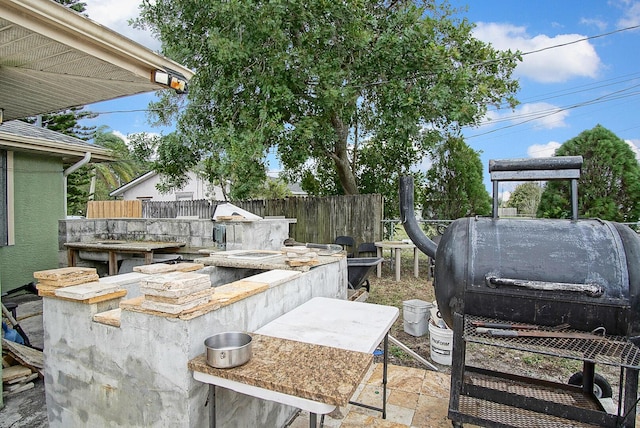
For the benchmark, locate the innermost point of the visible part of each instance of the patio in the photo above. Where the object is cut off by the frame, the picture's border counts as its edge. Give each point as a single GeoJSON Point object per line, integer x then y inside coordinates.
{"type": "Point", "coordinates": [415, 397]}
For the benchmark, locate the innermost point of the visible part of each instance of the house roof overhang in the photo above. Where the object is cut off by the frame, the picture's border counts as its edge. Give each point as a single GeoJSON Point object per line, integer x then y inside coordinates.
{"type": "Point", "coordinates": [52, 58]}
{"type": "Point", "coordinates": [22, 137]}
{"type": "Point", "coordinates": [140, 179]}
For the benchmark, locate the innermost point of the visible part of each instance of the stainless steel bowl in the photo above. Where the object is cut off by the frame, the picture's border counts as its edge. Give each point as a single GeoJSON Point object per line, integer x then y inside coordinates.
{"type": "Point", "coordinates": [230, 349]}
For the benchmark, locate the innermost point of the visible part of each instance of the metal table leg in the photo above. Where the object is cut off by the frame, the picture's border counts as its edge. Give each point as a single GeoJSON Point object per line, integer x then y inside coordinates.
{"type": "Point", "coordinates": [212, 406]}
{"type": "Point", "coordinates": [385, 364]}
{"type": "Point", "coordinates": [384, 376]}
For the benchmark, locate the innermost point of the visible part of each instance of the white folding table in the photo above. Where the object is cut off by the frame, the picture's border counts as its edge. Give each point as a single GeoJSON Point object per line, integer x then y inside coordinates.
{"type": "Point", "coordinates": [352, 326]}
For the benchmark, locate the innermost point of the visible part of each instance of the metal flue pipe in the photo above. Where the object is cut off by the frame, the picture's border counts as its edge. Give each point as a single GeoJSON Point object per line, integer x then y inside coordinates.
{"type": "Point", "coordinates": [409, 222]}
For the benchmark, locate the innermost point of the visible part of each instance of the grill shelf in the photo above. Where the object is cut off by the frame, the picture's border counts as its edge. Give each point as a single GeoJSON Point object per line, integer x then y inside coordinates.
{"type": "Point", "coordinates": [494, 399]}
{"type": "Point", "coordinates": [513, 416]}
{"type": "Point", "coordinates": [610, 350]}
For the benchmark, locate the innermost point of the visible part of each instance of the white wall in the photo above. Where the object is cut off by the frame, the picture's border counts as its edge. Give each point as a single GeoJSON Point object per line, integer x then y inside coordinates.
{"type": "Point", "coordinates": [195, 185]}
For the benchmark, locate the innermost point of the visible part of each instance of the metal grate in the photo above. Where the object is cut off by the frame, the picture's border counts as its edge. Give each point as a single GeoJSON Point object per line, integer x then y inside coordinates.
{"type": "Point", "coordinates": [575, 398]}
{"type": "Point", "coordinates": [513, 416]}
{"type": "Point", "coordinates": [610, 350]}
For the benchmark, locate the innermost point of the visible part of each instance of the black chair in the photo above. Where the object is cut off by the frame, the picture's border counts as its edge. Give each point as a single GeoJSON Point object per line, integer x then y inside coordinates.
{"type": "Point", "coordinates": [348, 244]}
{"type": "Point", "coordinates": [367, 249]}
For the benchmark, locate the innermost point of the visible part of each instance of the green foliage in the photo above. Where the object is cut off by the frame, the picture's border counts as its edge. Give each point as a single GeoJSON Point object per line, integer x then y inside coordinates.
{"type": "Point", "coordinates": [347, 92]}
{"type": "Point", "coordinates": [454, 185]}
{"type": "Point", "coordinates": [76, 5]}
{"type": "Point", "coordinates": [609, 184]}
{"type": "Point", "coordinates": [274, 188]}
{"type": "Point", "coordinates": [78, 191]}
{"type": "Point", "coordinates": [111, 175]}
{"type": "Point", "coordinates": [526, 198]}
{"type": "Point", "coordinates": [67, 122]}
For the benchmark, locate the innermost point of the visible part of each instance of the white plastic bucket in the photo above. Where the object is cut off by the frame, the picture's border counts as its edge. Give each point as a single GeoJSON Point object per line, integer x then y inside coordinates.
{"type": "Point", "coordinates": [441, 341]}
{"type": "Point", "coordinates": [415, 317]}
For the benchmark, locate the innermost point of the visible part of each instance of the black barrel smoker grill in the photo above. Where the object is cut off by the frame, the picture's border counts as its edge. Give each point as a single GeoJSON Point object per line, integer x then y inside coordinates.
{"type": "Point", "coordinates": [545, 273]}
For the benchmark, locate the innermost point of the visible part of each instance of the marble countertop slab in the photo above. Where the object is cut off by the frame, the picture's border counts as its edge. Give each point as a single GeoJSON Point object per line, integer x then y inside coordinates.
{"type": "Point", "coordinates": [282, 368]}
{"type": "Point", "coordinates": [355, 326]}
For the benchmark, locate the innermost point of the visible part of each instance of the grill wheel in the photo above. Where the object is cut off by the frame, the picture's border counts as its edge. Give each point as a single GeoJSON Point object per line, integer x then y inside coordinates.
{"type": "Point", "coordinates": [601, 387]}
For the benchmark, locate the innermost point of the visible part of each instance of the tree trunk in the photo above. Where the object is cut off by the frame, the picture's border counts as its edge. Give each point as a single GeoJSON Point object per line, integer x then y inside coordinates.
{"type": "Point", "coordinates": [340, 157]}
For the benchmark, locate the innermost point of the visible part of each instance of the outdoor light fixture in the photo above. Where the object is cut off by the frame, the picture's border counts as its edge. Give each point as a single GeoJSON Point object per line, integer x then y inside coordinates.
{"type": "Point", "coordinates": [171, 79]}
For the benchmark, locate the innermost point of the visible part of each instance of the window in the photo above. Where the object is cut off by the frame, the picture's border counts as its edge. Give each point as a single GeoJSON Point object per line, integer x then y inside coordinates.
{"type": "Point", "coordinates": [184, 196]}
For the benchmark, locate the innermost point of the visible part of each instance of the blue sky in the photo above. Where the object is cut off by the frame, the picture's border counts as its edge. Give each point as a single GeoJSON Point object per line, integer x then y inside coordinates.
{"type": "Point", "coordinates": [564, 90]}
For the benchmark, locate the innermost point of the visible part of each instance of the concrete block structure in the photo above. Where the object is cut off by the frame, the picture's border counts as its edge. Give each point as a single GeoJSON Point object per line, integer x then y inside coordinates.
{"type": "Point", "coordinates": [135, 373]}
{"type": "Point", "coordinates": [197, 234]}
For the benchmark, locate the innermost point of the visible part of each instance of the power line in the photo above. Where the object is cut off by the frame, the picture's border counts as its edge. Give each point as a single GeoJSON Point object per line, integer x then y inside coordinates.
{"type": "Point", "coordinates": [559, 45]}
{"type": "Point", "coordinates": [620, 30]}
{"type": "Point", "coordinates": [550, 112]}
{"type": "Point", "coordinates": [599, 84]}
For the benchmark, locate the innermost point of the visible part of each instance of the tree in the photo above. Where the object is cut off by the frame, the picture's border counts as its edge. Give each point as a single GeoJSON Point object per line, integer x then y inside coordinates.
{"type": "Point", "coordinates": [76, 5]}
{"type": "Point", "coordinates": [67, 122]}
{"type": "Point", "coordinates": [525, 198]}
{"type": "Point", "coordinates": [609, 184]}
{"type": "Point", "coordinates": [108, 176]}
{"type": "Point", "coordinates": [454, 185]}
{"type": "Point", "coordinates": [320, 81]}
{"type": "Point", "coordinates": [274, 188]}
{"type": "Point", "coordinates": [78, 184]}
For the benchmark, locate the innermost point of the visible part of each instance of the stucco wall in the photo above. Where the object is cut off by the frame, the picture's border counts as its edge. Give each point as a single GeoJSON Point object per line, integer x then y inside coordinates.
{"type": "Point", "coordinates": [267, 234]}
{"type": "Point", "coordinates": [137, 374]}
{"type": "Point", "coordinates": [39, 204]}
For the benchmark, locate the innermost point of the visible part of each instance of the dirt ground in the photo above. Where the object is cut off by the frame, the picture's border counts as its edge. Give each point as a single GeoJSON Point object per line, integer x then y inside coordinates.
{"type": "Point", "coordinates": [387, 291]}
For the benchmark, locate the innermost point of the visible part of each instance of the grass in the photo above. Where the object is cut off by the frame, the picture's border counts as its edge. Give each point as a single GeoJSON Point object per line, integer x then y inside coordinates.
{"type": "Point", "coordinates": [386, 291]}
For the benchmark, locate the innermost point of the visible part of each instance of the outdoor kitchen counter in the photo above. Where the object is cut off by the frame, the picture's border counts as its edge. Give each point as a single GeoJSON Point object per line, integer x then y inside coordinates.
{"type": "Point", "coordinates": [115, 247]}
{"type": "Point", "coordinates": [312, 357]}
{"type": "Point", "coordinates": [314, 372]}
{"type": "Point", "coordinates": [230, 259]}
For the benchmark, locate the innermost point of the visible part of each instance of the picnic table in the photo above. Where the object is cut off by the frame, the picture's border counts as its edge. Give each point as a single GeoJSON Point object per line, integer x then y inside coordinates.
{"type": "Point", "coordinates": [397, 246]}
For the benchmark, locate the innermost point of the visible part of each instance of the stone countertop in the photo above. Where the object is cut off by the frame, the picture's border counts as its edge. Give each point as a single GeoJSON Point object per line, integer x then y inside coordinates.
{"type": "Point", "coordinates": [230, 260]}
{"type": "Point", "coordinates": [121, 245]}
{"type": "Point", "coordinates": [314, 372]}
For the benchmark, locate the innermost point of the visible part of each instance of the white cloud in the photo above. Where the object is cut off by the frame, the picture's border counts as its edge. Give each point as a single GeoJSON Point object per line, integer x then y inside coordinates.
{"type": "Point", "coordinates": [543, 150]}
{"type": "Point", "coordinates": [124, 138]}
{"type": "Point", "coordinates": [548, 66]}
{"type": "Point", "coordinates": [544, 115]}
{"type": "Point", "coordinates": [115, 15]}
{"type": "Point", "coordinates": [540, 115]}
{"type": "Point", "coordinates": [631, 15]}
{"type": "Point", "coordinates": [634, 144]}
{"type": "Point", "coordinates": [598, 23]}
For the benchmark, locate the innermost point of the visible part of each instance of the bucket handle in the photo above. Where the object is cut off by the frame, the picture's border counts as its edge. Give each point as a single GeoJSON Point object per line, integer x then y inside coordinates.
{"type": "Point", "coordinates": [591, 290]}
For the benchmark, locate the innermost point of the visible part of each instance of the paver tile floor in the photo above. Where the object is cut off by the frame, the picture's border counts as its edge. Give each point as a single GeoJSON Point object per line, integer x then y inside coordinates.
{"type": "Point", "coordinates": [415, 398]}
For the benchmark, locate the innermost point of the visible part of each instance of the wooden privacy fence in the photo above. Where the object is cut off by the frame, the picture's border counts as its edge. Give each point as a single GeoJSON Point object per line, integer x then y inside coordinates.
{"type": "Point", "coordinates": [114, 209]}
{"type": "Point", "coordinates": [200, 208]}
{"type": "Point", "coordinates": [319, 219]}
